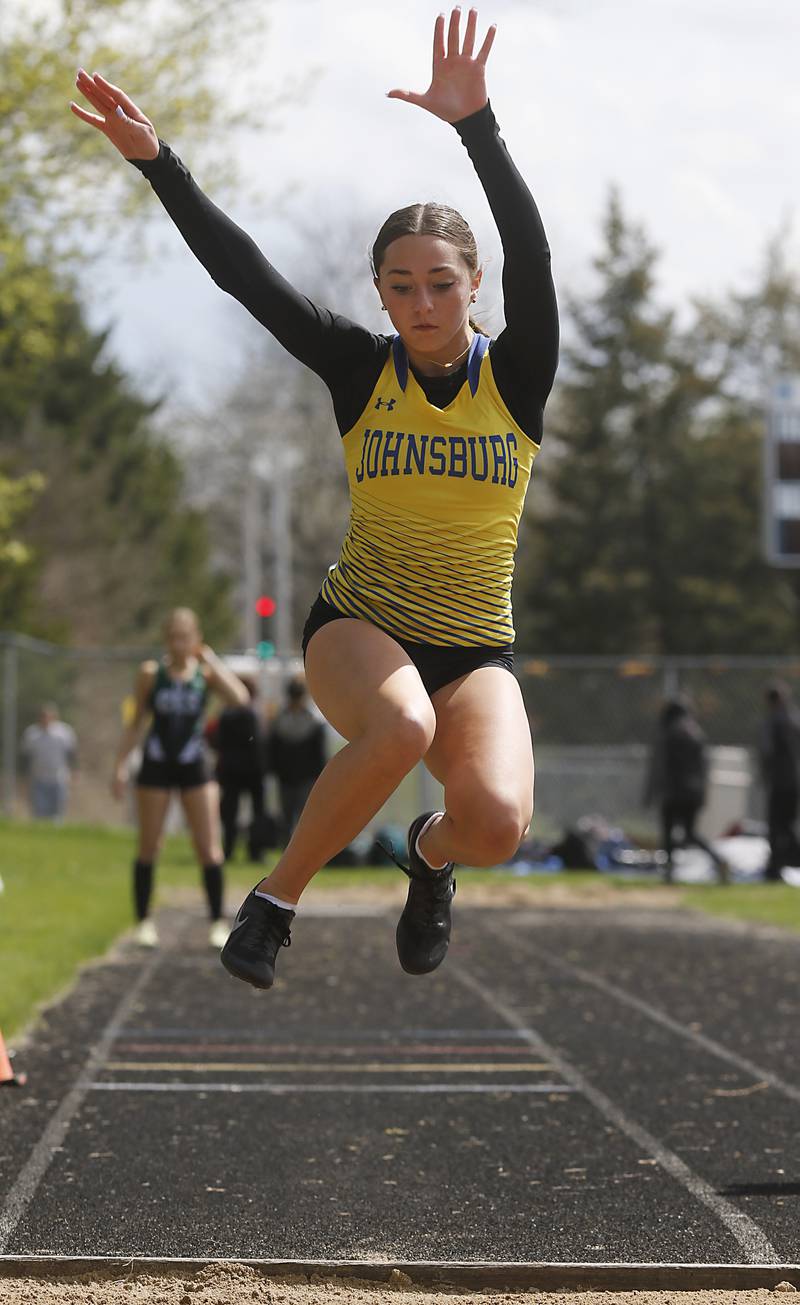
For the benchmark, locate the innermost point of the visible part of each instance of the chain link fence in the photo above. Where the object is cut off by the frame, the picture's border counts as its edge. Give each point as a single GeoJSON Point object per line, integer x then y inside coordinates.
{"type": "Point", "coordinates": [593, 721]}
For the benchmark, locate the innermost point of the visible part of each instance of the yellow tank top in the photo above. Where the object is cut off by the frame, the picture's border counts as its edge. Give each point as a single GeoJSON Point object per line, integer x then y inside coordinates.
{"type": "Point", "coordinates": [436, 498]}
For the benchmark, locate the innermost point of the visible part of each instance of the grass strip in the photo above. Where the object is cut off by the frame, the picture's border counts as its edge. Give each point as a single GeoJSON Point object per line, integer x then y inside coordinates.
{"type": "Point", "coordinates": [757, 903]}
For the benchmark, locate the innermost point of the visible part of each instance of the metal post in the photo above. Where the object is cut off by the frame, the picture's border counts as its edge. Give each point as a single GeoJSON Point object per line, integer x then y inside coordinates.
{"type": "Point", "coordinates": [9, 728]}
{"type": "Point", "coordinates": [251, 548]}
{"type": "Point", "coordinates": [282, 550]}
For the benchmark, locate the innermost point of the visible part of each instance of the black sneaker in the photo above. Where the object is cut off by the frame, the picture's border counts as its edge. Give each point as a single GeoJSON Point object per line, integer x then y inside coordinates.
{"type": "Point", "coordinates": [257, 934]}
{"type": "Point", "coordinates": [423, 930]}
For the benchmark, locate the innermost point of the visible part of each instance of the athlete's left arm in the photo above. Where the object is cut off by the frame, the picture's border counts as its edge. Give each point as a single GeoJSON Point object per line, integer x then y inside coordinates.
{"type": "Point", "coordinates": [526, 352]}
{"type": "Point", "coordinates": [327, 342]}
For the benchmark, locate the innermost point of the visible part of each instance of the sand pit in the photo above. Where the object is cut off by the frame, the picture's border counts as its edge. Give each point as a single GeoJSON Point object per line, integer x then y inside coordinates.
{"type": "Point", "coordinates": [240, 1284]}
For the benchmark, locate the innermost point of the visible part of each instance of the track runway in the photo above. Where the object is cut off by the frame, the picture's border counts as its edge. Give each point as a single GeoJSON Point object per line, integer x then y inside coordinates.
{"type": "Point", "coordinates": [572, 1086]}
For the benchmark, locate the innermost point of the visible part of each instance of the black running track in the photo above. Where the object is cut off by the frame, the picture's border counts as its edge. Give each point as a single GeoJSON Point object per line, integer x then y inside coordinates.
{"type": "Point", "coordinates": [581, 1086]}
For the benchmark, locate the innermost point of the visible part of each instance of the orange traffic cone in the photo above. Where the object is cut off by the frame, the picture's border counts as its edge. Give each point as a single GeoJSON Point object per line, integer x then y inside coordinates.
{"type": "Point", "coordinates": [7, 1076]}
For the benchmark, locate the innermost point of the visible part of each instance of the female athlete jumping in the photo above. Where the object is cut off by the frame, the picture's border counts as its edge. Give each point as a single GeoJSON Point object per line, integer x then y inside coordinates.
{"type": "Point", "coordinates": [409, 647]}
{"type": "Point", "coordinates": [172, 695]}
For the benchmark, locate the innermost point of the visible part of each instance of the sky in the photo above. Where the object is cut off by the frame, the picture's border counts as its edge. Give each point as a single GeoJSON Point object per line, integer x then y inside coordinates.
{"type": "Point", "coordinates": [690, 107]}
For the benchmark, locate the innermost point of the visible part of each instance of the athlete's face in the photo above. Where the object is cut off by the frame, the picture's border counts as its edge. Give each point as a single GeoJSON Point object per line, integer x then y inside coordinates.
{"type": "Point", "coordinates": [427, 290]}
{"type": "Point", "coordinates": [182, 638]}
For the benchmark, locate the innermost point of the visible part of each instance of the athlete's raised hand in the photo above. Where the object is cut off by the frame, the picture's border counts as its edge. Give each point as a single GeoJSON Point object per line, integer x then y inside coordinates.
{"type": "Point", "coordinates": [458, 84]}
{"type": "Point", "coordinates": [117, 118]}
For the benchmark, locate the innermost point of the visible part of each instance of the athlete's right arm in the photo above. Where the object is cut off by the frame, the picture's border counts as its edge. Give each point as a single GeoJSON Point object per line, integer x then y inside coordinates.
{"type": "Point", "coordinates": [323, 341]}
{"type": "Point", "coordinates": [132, 732]}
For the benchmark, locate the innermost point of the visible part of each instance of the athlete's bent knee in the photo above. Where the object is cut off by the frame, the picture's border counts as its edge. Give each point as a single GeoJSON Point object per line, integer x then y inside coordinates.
{"type": "Point", "coordinates": [496, 830]}
{"type": "Point", "coordinates": [407, 733]}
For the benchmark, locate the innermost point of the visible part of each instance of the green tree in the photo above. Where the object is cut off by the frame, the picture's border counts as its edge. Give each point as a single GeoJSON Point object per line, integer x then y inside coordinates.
{"type": "Point", "coordinates": [16, 558]}
{"type": "Point", "coordinates": [647, 539]}
{"type": "Point", "coordinates": [114, 543]}
{"type": "Point", "coordinates": [175, 56]}
{"type": "Point", "coordinates": [61, 191]}
{"type": "Point", "coordinates": [110, 526]}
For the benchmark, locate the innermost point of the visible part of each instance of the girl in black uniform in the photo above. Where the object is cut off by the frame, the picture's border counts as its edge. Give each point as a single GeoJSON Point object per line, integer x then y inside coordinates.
{"type": "Point", "coordinates": [173, 694]}
{"type": "Point", "coordinates": [409, 647]}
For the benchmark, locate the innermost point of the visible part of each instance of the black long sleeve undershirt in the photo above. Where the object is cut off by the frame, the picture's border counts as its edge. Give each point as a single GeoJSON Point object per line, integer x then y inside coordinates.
{"type": "Point", "coordinates": [347, 356]}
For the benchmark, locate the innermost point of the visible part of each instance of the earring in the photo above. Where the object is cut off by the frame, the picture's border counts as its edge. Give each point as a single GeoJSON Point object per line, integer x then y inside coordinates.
{"type": "Point", "coordinates": [473, 296]}
{"type": "Point", "coordinates": [384, 309]}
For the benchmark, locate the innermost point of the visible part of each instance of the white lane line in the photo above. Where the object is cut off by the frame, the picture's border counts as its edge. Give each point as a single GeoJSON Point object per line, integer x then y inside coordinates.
{"type": "Point", "coordinates": [330, 1034]}
{"type": "Point", "coordinates": [290, 1089]}
{"type": "Point", "coordinates": [749, 1067]}
{"type": "Point", "coordinates": [747, 1234]}
{"type": "Point", "coordinates": [37, 1164]}
{"type": "Point", "coordinates": [325, 1054]}
{"type": "Point", "coordinates": [313, 1067]}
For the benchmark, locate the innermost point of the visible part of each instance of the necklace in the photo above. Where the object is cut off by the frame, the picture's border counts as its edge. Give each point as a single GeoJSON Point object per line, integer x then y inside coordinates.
{"type": "Point", "coordinates": [447, 365]}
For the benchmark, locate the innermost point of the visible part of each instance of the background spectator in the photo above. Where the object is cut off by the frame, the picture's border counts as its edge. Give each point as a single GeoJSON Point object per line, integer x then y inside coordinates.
{"type": "Point", "coordinates": [295, 752]}
{"type": "Point", "coordinates": [49, 755]}
{"type": "Point", "coordinates": [678, 779]}
{"type": "Point", "coordinates": [237, 737]}
{"type": "Point", "coordinates": [778, 751]}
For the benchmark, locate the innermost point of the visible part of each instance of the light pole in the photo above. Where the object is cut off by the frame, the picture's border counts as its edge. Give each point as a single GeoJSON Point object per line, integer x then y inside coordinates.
{"type": "Point", "coordinates": [251, 549]}
{"type": "Point", "coordinates": [281, 522]}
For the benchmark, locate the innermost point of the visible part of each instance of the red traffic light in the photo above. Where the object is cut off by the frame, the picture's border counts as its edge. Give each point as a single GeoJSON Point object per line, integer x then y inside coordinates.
{"type": "Point", "coordinates": [265, 605]}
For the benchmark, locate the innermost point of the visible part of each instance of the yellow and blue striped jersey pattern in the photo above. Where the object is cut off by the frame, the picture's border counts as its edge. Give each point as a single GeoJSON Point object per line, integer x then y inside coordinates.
{"type": "Point", "coordinates": [436, 499]}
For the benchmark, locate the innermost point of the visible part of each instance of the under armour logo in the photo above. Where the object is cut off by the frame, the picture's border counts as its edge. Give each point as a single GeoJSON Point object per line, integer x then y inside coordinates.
{"type": "Point", "coordinates": [386, 403]}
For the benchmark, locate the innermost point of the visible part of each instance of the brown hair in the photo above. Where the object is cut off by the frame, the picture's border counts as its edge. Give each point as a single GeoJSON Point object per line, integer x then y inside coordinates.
{"type": "Point", "coordinates": [427, 220]}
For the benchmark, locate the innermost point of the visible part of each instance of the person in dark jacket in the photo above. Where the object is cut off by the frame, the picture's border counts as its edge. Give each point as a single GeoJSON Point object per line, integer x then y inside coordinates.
{"type": "Point", "coordinates": [678, 779]}
{"type": "Point", "coordinates": [779, 750]}
{"type": "Point", "coordinates": [295, 752]}
{"type": "Point", "coordinates": [237, 738]}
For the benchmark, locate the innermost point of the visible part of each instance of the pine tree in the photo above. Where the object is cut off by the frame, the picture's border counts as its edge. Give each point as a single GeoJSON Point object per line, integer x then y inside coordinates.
{"type": "Point", "coordinates": [648, 539]}
{"type": "Point", "coordinates": [114, 544]}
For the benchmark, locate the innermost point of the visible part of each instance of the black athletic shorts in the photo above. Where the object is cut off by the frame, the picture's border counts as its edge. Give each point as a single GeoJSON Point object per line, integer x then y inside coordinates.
{"type": "Point", "coordinates": [437, 666]}
{"type": "Point", "coordinates": [172, 774]}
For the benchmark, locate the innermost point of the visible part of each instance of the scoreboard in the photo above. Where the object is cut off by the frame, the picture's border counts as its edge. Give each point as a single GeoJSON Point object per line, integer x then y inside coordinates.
{"type": "Point", "coordinates": [782, 473]}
